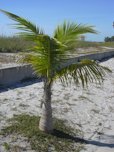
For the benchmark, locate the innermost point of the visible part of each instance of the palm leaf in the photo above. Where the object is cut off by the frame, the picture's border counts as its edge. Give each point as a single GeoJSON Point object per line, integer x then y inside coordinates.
{"type": "Point", "coordinates": [82, 72]}
{"type": "Point", "coordinates": [45, 56]}
{"type": "Point", "coordinates": [30, 29]}
{"type": "Point", "coordinates": [70, 32]}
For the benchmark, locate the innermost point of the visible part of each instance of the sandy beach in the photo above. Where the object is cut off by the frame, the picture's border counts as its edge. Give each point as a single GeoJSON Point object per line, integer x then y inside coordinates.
{"type": "Point", "coordinates": [91, 109]}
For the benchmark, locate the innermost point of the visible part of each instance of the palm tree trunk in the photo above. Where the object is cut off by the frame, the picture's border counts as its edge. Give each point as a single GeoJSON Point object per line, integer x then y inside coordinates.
{"type": "Point", "coordinates": [46, 122]}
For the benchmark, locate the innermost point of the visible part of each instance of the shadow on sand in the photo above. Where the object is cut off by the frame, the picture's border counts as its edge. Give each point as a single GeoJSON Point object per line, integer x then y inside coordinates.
{"type": "Point", "coordinates": [63, 135]}
{"type": "Point", "coordinates": [23, 83]}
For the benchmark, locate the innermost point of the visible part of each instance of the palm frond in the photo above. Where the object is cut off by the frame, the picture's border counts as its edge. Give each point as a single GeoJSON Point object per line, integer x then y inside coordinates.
{"type": "Point", "coordinates": [82, 72]}
{"type": "Point", "coordinates": [29, 29]}
{"type": "Point", "coordinates": [38, 63]}
{"type": "Point", "coordinates": [69, 32]}
{"type": "Point", "coordinates": [45, 56]}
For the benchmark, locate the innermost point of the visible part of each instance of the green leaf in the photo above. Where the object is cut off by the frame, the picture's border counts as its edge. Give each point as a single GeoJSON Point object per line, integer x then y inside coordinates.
{"type": "Point", "coordinates": [30, 29]}
{"type": "Point", "coordinates": [83, 72]}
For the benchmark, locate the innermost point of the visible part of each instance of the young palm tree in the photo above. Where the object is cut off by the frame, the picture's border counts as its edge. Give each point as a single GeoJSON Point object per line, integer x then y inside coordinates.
{"type": "Point", "coordinates": [47, 55]}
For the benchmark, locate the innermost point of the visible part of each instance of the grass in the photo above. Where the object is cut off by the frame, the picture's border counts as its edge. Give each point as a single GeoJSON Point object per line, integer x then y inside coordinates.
{"type": "Point", "coordinates": [86, 44]}
{"type": "Point", "coordinates": [17, 44]}
{"type": "Point", "coordinates": [13, 44]}
{"type": "Point", "coordinates": [6, 146]}
{"type": "Point", "coordinates": [108, 44]}
{"type": "Point", "coordinates": [63, 138]}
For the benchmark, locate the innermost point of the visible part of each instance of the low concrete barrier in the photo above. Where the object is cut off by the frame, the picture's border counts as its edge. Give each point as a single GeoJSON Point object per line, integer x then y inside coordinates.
{"type": "Point", "coordinates": [94, 56]}
{"type": "Point", "coordinates": [13, 75]}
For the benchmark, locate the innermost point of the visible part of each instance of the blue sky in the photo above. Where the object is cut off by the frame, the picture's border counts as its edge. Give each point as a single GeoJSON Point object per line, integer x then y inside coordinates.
{"type": "Point", "coordinates": [49, 13]}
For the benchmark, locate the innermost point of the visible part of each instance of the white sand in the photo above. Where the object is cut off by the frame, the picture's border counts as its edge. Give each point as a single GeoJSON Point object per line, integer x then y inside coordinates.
{"type": "Point", "coordinates": [90, 110]}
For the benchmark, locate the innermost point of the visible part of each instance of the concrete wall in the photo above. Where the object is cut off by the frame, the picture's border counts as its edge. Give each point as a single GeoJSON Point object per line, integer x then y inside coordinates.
{"type": "Point", "coordinates": [95, 56]}
{"type": "Point", "coordinates": [13, 75]}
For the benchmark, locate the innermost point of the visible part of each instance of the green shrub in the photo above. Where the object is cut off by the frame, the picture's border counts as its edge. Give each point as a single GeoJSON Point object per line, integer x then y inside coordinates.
{"type": "Point", "coordinates": [13, 44]}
